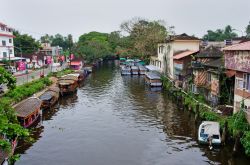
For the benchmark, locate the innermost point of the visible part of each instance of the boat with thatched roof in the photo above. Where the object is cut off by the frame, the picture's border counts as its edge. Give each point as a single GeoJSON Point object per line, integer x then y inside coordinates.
{"type": "Point", "coordinates": [28, 111]}
{"type": "Point", "coordinates": [68, 84]}
{"type": "Point", "coordinates": [49, 97]}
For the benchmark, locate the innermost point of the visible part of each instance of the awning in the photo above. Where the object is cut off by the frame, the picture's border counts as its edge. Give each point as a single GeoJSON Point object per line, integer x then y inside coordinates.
{"type": "Point", "coordinates": [230, 73]}
{"type": "Point", "coordinates": [183, 54]}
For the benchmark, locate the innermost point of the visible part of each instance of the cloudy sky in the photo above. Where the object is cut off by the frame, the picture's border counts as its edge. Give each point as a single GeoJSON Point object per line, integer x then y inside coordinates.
{"type": "Point", "coordinates": [38, 17]}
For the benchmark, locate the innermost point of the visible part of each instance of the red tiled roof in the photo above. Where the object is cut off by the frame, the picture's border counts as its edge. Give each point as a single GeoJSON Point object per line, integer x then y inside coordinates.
{"type": "Point", "coordinates": [7, 35]}
{"type": "Point", "coordinates": [183, 36]}
{"type": "Point", "coordinates": [184, 54]}
{"type": "Point", "coordinates": [240, 46]}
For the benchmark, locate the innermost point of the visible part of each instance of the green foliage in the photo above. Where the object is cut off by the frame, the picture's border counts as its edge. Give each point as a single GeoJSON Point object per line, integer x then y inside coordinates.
{"type": "Point", "coordinates": [93, 45]}
{"type": "Point", "coordinates": [27, 90]}
{"type": "Point", "coordinates": [237, 123]}
{"type": "Point", "coordinates": [248, 30]}
{"type": "Point", "coordinates": [25, 42]}
{"type": "Point", "coordinates": [220, 34]}
{"type": "Point", "coordinates": [7, 78]}
{"type": "Point", "coordinates": [209, 115]}
{"type": "Point", "coordinates": [145, 35]}
{"type": "Point", "coordinates": [245, 141]}
{"type": "Point", "coordinates": [63, 72]}
{"type": "Point", "coordinates": [5, 145]}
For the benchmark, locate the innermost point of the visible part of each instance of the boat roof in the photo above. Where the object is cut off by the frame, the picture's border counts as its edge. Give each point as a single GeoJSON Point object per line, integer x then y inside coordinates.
{"type": "Point", "coordinates": [69, 77]}
{"type": "Point", "coordinates": [54, 89]}
{"type": "Point", "coordinates": [27, 107]}
{"type": "Point", "coordinates": [65, 82]}
{"type": "Point", "coordinates": [152, 68]}
{"type": "Point", "coordinates": [141, 67]}
{"type": "Point", "coordinates": [125, 68]}
{"type": "Point", "coordinates": [47, 95]}
{"type": "Point", "coordinates": [153, 75]}
{"type": "Point", "coordinates": [134, 67]}
{"type": "Point", "coordinates": [74, 74]}
{"type": "Point", "coordinates": [211, 127]}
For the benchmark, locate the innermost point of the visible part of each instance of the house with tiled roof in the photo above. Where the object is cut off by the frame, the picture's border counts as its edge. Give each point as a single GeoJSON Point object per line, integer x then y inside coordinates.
{"type": "Point", "coordinates": [237, 63]}
{"type": "Point", "coordinates": [174, 45]}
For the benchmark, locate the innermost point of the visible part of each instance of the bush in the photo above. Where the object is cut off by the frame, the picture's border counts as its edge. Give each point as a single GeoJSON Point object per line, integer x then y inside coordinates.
{"type": "Point", "coordinates": [245, 141]}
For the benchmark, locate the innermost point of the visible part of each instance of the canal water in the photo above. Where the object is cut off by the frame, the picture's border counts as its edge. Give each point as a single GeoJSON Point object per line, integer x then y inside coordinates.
{"type": "Point", "coordinates": [115, 120]}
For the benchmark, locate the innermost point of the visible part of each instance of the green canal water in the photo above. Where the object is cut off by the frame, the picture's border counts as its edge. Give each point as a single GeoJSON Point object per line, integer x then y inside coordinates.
{"type": "Point", "coordinates": [115, 120]}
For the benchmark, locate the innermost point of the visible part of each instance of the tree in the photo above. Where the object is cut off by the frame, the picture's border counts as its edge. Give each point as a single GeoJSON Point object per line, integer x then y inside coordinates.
{"type": "Point", "coordinates": [93, 45]}
{"type": "Point", "coordinates": [144, 35]}
{"type": "Point", "coordinates": [25, 42]}
{"type": "Point", "coordinates": [248, 30]}
{"type": "Point", "coordinates": [7, 78]}
{"type": "Point", "coordinates": [220, 34]}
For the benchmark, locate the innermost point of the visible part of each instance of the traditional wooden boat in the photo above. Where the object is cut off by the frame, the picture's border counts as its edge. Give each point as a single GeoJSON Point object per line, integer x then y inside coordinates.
{"type": "Point", "coordinates": [79, 75]}
{"type": "Point", "coordinates": [142, 70]}
{"type": "Point", "coordinates": [209, 133]}
{"type": "Point", "coordinates": [153, 79]}
{"type": "Point", "coordinates": [134, 70]}
{"type": "Point", "coordinates": [125, 70]}
{"type": "Point", "coordinates": [28, 111]}
{"type": "Point", "coordinates": [67, 84]}
{"type": "Point", "coordinates": [49, 97]}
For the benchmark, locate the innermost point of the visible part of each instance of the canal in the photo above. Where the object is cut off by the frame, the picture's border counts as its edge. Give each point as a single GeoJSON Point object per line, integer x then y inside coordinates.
{"type": "Point", "coordinates": [115, 120]}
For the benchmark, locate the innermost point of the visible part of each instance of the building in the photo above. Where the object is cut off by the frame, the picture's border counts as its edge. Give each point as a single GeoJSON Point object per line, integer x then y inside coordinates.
{"type": "Point", "coordinates": [173, 45]}
{"type": "Point", "coordinates": [6, 43]}
{"type": "Point", "coordinates": [55, 51]}
{"type": "Point", "coordinates": [237, 62]}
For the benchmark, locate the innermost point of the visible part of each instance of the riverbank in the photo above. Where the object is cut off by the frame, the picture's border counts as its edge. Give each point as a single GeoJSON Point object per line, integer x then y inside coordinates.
{"type": "Point", "coordinates": [234, 127]}
{"type": "Point", "coordinates": [11, 128]}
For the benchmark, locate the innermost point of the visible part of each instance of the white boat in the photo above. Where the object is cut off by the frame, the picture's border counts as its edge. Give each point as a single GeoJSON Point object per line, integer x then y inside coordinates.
{"type": "Point", "coordinates": [153, 79]}
{"type": "Point", "coordinates": [134, 70]}
{"type": "Point", "coordinates": [125, 70]}
{"type": "Point", "coordinates": [142, 70]}
{"type": "Point", "coordinates": [209, 133]}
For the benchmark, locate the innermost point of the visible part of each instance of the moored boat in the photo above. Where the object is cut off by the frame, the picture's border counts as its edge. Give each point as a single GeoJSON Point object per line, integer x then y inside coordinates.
{"type": "Point", "coordinates": [28, 111]}
{"type": "Point", "coordinates": [125, 70]}
{"type": "Point", "coordinates": [134, 70]}
{"type": "Point", "coordinates": [79, 75]}
{"type": "Point", "coordinates": [153, 79]}
{"type": "Point", "coordinates": [209, 133]}
{"type": "Point", "coordinates": [142, 70]}
{"type": "Point", "coordinates": [49, 97]}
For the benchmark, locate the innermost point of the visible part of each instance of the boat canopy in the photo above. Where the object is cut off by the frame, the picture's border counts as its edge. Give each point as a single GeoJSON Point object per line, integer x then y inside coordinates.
{"type": "Point", "coordinates": [74, 74]}
{"type": "Point", "coordinates": [65, 82]}
{"type": "Point", "coordinates": [48, 95]}
{"type": "Point", "coordinates": [27, 107]}
{"type": "Point", "coordinates": [152, 68]}
{"type": "Point", "coordinates": [153, 76]}
{"type": "Point", "coordinates": [122, 59]}
{"type": "Point", "coordinates": [142, 67]}
{"type": "Point", "coordinates": [134, 67]}
{"type": "Point", "coordinates": [54, 89]}
{"type": "Point", "coordinates": [211, 128]}
{"type": "Point", "coordinates": [69, 77]}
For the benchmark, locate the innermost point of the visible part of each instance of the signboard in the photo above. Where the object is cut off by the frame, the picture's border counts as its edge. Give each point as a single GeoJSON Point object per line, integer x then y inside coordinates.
{"type": "Point", "coordinates": [21, 66]}
{"type": "Point", "coordinates": [49, 60]}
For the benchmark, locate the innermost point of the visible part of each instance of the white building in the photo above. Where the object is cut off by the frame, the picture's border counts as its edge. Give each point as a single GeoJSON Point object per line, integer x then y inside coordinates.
{"type": "Point", "coordinates": [173, 45]}
{"type": "Point", "coordinates": [6, 43]}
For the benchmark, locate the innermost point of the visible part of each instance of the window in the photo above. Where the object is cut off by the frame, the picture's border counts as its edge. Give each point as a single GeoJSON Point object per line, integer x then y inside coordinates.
{"type": "Point", "coordinates": [4, 54]}
{"type": "Point", "coordinates": [3, 43]}
{"type": "Point", "coordinates": [2, 28]}
{"type": "Point", "coordinates": [239, 83]}
{"type": "Point", "coordinates": [10, 41]}
{"type": "Point", "coordinates": [10, 51]}
{"type": "Point", "coordinates": [246, 82]}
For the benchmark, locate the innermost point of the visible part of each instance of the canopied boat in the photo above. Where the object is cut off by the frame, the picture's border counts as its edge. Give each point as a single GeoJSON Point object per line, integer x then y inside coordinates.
{"type": "Point", "coordinates": [153, 79]}
{"type": "Point", "coordinates": [79, 75]}
{"type": "Point", "coordinates": [209, 133]}
{"type": "Point", "coordinates": [125, 70]}
{"type": "Point", "coordinates": [28, 111]}
{"type": "Point", "coordinates": [134, 70]}
{"type": "Point", "coordinates": [49, 97]}
{"type": "Point", "coordinates": [142, 70]}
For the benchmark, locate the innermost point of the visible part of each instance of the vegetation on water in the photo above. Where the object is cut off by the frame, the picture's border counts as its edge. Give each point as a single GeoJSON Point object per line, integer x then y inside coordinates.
{"type": "Point", "coordinates": [237, 124]}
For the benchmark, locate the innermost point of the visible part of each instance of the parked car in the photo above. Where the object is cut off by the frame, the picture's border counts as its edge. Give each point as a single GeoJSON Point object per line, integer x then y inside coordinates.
{"type": "Point", "coordinates": [11, 69]}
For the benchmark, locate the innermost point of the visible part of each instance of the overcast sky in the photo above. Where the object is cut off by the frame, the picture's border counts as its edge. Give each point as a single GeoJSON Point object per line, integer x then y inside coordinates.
{"type": "Point", "coordinates": [38, 17]}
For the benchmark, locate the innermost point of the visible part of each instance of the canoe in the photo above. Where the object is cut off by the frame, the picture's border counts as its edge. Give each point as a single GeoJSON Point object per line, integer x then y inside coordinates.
{"type": "Point", "coordinates": [49, 97]}
{"type": "Point", "coordinates": [209, 133]}
{"type": "Point", "coordinates": [28, 111]}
